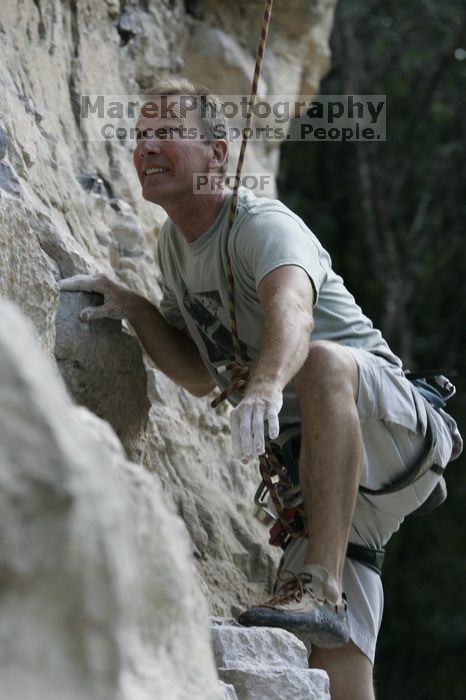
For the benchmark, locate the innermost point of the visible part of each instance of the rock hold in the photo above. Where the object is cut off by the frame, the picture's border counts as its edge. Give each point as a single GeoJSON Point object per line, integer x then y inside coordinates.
{"type": "Point", "coordinates": [83, 352]}
{"type": "Point", "coordinates": [128, 26]}
{"type": "Point", "coordinates": [8, 180]}
{"type": "Point", "coordinates": [92, 184]}
{"type": "Point", "coordinates": [282, 684]}
{"type": "Point", "coordinates": [253, 647]}
{"type": "Point", "coordinates": [126, 228]}
{"type": "Point", "coordinates": [265, 664]}
{"type": "Point", "coordinates": [229, 690]}
{"type": "Point", "coordinates": [4, 139]}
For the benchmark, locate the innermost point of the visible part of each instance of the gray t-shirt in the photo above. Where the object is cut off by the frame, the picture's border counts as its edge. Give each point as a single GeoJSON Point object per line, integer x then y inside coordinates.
{"type": "Point", "coordinates": [265, 235]}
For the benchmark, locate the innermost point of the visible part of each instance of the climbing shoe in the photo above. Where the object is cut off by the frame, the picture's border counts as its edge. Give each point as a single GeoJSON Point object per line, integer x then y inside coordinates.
{"type": "Point", "coordinates": [300, 606]}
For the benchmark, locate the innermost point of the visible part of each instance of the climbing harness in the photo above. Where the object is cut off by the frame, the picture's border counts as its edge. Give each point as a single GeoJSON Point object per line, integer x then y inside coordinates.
{"type": "Point", "coordinates": [279, 463]}
{"type": "Point", "coordinates": [437, 389]}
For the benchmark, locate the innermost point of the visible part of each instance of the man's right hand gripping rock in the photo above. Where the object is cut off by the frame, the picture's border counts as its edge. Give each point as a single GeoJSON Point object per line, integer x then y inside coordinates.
{"type": "Point", "coordinates": [119, 301]}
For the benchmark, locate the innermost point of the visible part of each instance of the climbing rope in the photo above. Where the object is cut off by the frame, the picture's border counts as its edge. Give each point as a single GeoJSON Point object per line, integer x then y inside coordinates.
{"type": "Point", "coordinates": [270, 466]}
{"type": "Point", "coordinates": [240, 378]}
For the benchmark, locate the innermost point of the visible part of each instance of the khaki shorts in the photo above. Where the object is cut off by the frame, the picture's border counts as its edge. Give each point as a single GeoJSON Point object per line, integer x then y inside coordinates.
{"type": "Point", "coordinates": [394, 420]}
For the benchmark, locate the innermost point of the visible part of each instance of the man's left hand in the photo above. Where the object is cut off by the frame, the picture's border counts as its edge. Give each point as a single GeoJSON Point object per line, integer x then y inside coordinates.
{"type": "Point", "coordinates": [247, 420]}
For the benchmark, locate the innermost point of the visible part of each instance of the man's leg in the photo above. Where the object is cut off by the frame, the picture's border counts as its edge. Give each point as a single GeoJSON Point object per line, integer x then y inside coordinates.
{"type": "Point", "coordinates": [310, 602]}
{"type": "Point", "coordinates": [331, 454]}
{"type": "Point", "coordinates": [349, 670]}
{"type": "Point", "coordinates": [393, 421]}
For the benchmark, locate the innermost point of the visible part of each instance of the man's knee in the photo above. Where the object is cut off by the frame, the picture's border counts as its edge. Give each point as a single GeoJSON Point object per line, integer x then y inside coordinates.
{"type": "Point", "coordinates": [349, 670]}
{"type": "Point", "coordinates": [328, 367]}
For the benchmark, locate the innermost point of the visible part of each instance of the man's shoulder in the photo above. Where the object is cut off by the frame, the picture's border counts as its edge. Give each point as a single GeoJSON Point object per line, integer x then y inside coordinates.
{"type": "Point", "coordinates": [165, 228]}
{"type": "Point", "coordinates": [266, 213]}
{"type": "Point", "coordinates": [249, 203]}
{"type": "Point", "coordinates": [166, 236]}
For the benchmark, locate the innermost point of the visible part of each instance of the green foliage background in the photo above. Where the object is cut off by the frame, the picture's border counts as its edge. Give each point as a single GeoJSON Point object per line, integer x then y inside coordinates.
{"type": "Point", "coordinates": [392, 216]}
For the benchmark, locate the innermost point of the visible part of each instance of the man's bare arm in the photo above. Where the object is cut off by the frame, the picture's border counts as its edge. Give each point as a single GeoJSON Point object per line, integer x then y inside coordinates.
{"type": "Point", "coordinates": [286, 295]}
{"type": "Point", "coordinates": [174, 353]}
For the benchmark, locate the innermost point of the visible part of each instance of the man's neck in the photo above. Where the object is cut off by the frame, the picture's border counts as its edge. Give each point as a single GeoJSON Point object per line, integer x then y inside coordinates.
{"type": "Point", "coordinates": [195, 215]}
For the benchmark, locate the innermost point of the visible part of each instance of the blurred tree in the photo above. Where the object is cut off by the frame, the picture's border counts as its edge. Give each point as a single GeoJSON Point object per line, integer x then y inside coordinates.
{"type": "Point", "coordinates": [392, 216]}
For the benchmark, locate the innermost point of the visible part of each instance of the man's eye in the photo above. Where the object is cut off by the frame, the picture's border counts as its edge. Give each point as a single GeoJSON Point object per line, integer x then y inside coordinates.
{"type": "Point", "coordinates": [163, 132]}
{"type": "Point", "coordinates": [166, 132]}
{"type": "Point", "coordinates": [143, 134]}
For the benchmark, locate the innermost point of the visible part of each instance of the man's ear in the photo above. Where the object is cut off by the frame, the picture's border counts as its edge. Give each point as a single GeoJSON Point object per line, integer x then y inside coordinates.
{"type": "Point", "coordinates": [219, 153]}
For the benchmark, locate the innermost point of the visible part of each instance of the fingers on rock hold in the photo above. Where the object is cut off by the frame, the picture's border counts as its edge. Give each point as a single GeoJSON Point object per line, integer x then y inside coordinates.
{"type": "Point", "coordinates": [93, 313]}
{"type": "Point", "coordinates": [83, 283]}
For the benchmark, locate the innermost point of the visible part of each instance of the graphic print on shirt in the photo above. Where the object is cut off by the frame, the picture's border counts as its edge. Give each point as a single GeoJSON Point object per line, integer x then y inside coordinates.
{"type": "Point", "coordinates": [205, 308]}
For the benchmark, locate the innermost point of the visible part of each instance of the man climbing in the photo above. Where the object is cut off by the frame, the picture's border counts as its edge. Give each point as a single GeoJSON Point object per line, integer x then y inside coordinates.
{"type": "Point", "coordinates": [315, 360]}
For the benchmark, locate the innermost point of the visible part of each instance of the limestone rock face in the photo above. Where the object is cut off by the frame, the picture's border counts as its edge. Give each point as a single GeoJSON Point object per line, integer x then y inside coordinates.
{"type": "Point", "coordinates": [262, 662]}
{"type": "Point", "coordinates": [111, 384]}
{"type": "Point", "coordinates": [26, 273]}
{"type": "Point", "coordinates": [250, 648]}
{"type": "Point", "coordinates": [221, 46]}
{"type": "Point", "coordinates": [229, 691]}
{"type": "Point", "coordinates": [71, 204]}
{"type": "Point", "coordinates": [99, 592]}
{"type": "Point", "coordinates": [189, 448]}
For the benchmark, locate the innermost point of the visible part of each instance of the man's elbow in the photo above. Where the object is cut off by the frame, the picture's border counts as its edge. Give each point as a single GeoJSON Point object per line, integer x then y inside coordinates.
{"type": "Point", "coordinates": [310, 322]}
{"type": "Point", "coordinates": [304, 311]}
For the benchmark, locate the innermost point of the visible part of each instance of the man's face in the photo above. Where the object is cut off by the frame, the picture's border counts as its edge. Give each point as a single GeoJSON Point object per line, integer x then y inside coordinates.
{"type": "Point", "coordinates": [168, 151]}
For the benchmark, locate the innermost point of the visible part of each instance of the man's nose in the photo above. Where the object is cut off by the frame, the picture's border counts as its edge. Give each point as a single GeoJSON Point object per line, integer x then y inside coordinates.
{"type": "Point", "coordinates": [150, 144]}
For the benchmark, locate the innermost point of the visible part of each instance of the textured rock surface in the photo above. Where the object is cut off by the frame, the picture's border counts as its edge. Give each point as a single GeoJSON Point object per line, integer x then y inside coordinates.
{"type": "Point", "coordinates": [116, 392]}
{"type": "Point", "coordinates": [99, 593]}
{"type": "Point", "coordinates": [69, 206]}
{"type": "Point", "coordinates": [249, 647]}
{"type": "Point", "coordinates": [266, 663]}
{"type": "Point", "coordinates": [229, 691]}
{"type": "Point", "coordinates": [276, 684]}
{"type": "Point", "coordinates": [222, 43]}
